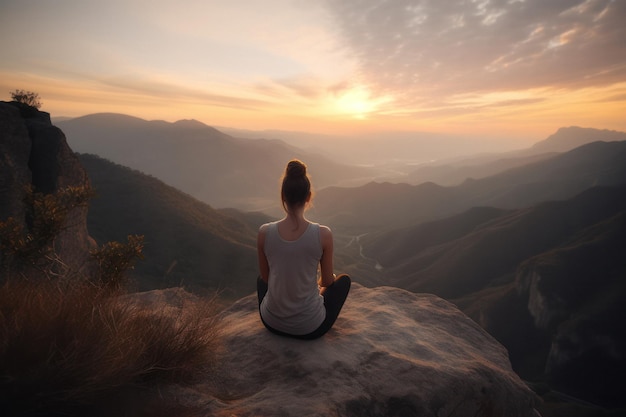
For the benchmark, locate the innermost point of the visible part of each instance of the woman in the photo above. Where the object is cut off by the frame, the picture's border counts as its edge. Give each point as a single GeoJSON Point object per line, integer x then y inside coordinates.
{"type": "Point", "coordinates": [292, 301]}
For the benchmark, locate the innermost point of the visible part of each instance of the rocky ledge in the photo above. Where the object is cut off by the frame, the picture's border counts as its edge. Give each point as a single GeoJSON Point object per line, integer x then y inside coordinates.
{"type": "Point", "coordinates": [391, 353]}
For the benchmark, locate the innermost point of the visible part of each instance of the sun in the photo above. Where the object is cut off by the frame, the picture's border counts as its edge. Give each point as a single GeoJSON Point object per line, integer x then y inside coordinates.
{"type": "Point", "coordinates": [357, 102]}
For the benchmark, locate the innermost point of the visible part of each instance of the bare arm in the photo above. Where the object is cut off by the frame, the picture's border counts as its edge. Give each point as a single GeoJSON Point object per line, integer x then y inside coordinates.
{"type": "Point", "coordinates": [326, 262]}
{"type": "Point", "coordinates": [264, 267]}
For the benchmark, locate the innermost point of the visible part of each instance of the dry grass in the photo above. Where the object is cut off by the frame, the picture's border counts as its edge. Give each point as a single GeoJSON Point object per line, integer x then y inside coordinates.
{"type": "Point", "coordinates": [76, 349]}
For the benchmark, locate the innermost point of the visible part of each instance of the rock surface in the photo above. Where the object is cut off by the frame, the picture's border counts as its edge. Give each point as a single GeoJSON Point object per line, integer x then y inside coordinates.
{"type": "Point", "coordinates": [391, 353]}
{"type": "Point", "coordinates": [15, 147]}
{"type": "Point", "coordinates": [34, 152]}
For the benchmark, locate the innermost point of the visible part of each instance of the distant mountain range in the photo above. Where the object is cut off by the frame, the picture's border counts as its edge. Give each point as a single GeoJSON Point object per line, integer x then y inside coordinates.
{"type": "Point", "coordinates": [454, 172]}
{"type": "Point", "coordinates": [212, 166]}
{"type": "Point", "coordinates": [377, 206]}
{"type": "Point", "coordinates": [568, 138]}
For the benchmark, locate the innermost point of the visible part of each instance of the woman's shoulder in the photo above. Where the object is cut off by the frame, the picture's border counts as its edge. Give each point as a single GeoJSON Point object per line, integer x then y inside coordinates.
{"type": "Point", "coordinates": [324, 230]}
{"type": "Point", "coordinates": [264, 228]}
{"type": "Point", "coordinates": [267, 225]}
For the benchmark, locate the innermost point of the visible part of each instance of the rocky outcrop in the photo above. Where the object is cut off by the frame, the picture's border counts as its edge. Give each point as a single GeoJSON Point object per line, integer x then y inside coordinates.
{"type": "Point", "coordinates": [34, 152]}
{"type": "Point", "coordinates": [547, 310]}
{"type": "Point", "coordinates": [391, 353]}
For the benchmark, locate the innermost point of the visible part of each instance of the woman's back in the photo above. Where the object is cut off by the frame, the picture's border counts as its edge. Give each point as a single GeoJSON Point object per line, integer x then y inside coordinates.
{"type": "Point", "coordinates": [293, 303]}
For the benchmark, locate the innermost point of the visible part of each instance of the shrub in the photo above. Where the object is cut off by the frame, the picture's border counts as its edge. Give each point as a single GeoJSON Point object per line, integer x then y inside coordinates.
{"type": "Point", "coordinates": [115, 258]}
{"type": "Point", "coordinates": [30, 243]}
{"type": "Point", "coordinates": [26, 97]}
{"type": "Point", "coordinates": [69, 348]}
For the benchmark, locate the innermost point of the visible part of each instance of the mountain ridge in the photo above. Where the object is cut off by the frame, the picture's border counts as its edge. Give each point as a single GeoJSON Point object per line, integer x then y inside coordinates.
{"type": "Point", "coordinates": [210, 165]}
{"type": "Point", "coordinates": [454, 172]}
{"type": "Point", "coordinates": [567, 138]}
{"type": "Point", "coordinates": [385, 205]}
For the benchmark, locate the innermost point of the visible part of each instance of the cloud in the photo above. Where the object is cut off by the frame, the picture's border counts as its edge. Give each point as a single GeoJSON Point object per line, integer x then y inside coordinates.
{"type": "Point", "coordinates": [176, 92]}
{"type": "Point", "coordinates": [615, 97]}
{"type": "Point", "coordinates": [300, 87]}
{"type": "Point", "coordinates": [419, 49]}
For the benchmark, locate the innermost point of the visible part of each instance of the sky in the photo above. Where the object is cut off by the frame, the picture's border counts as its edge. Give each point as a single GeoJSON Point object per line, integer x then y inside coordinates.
{"type": "Point", "coordinates": [505, 69]}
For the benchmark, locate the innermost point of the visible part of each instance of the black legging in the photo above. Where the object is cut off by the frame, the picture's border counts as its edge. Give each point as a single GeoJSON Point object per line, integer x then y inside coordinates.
{"type": "Point", "coordinates": [334, 298]}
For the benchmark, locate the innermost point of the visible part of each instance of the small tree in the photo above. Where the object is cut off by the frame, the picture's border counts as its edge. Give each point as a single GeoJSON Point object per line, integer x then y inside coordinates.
{"type": "Point", "coordinates": [26, 97]}
{"type": "Point", "coordinates": [115, 258]}
{"type": "Point", "coordinates": [30, 243]}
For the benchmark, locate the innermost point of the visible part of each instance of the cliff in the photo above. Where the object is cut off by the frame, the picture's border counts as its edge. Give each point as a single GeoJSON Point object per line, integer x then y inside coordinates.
{"type": "Point", "coordinates": [391, 353]}
{"type": "Point", "coordinates": [575, 294]}
{"type": "Point", "coordinates": [35, 153]}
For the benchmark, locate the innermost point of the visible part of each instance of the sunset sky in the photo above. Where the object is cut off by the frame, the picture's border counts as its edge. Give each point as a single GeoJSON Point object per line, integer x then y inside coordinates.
{"type": "Point", "coordinates": [501, 69]}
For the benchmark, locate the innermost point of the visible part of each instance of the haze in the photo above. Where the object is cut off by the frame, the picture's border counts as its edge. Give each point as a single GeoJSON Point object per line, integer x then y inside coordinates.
{"type": "Point", "coordinates": [501, 74]}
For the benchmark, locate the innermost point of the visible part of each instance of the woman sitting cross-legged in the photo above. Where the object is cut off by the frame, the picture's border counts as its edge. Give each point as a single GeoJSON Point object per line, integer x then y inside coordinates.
{"type": "Point", "coordinates": [292, 301]}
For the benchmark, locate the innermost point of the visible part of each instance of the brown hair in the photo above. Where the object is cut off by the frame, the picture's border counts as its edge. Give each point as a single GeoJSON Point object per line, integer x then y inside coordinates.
{"type": "Point", "coordinates": [296, 185]}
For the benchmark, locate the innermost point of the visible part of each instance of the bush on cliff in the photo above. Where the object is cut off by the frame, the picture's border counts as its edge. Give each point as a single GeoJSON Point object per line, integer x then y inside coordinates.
{"type": "Point", "coordinates": [28, 98]}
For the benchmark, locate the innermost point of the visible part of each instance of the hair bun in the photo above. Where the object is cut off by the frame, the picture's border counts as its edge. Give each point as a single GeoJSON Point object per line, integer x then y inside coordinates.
{"type": "Point", "coordinates": [295, 168]}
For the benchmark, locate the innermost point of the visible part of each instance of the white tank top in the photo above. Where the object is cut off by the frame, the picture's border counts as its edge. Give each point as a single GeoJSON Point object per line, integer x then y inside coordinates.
{"type": "Point", "coordinates": [293, 303]}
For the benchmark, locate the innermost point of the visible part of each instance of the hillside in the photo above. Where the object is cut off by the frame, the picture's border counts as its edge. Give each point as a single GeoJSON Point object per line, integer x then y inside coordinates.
{"type": "Point", "coordinates": [462, 254]}
{"type": "Point", "coordinates": [375, 206]}
{"type": "Point", "coordinates": [546, 281]}
{"type": "Point", "coordinates": [187, 242]}
{"type": "Point", "coordinates": [212, 166]}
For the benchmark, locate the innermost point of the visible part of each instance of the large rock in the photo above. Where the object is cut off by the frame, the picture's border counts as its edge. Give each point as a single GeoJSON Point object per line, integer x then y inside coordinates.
{"type": "Point", "coordinates": [34, 152]}
{"type": "Point", "coordinates": [391, 353]}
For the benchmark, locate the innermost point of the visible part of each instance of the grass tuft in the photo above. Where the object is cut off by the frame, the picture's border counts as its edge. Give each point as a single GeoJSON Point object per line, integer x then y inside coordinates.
{"type": "Point", "coordinates": [77, 349]}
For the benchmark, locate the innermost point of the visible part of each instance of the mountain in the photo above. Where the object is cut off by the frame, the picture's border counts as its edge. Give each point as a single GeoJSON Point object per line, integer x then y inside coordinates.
{"type": "Point", "coordinates": [212, 166]}
{"type": "Point", "coordinates": [568, 138]}
{"type": "Point", "coordinates": [377, 206]}
{"type": "Point", "coordinates": [455, 171]}
{"type": "Point", "coordinates": [187, 242]}
{"type": "Point", "coordinates": [546, 281]}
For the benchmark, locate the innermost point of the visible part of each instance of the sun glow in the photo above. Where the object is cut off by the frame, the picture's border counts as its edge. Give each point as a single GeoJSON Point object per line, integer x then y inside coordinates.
{"type": "Point", "coordinates": [358, 103]}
